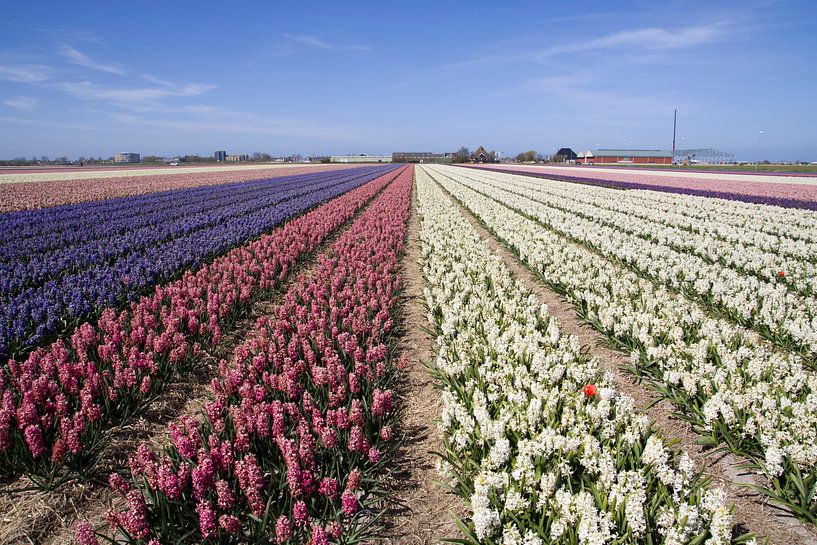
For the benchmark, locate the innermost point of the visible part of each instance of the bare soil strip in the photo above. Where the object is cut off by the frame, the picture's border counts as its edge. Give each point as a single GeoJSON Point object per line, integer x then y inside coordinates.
{"type": "Point", "coordinates": [752, 510]}
{"type": "Point", "coordinates": [423, 511]}
{"type": "Point", "coordinates": [48, 518]}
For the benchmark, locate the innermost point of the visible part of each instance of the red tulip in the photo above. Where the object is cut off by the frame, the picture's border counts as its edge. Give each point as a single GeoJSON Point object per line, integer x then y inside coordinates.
{"type": "Point", "coordinates": [781, 274]}
{"type": "Point", "coordinates": [590, 390]}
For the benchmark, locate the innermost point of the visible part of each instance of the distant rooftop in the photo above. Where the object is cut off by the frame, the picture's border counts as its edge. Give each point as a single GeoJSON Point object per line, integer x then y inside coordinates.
{"type": "Point", "coordinates": [612, 152]}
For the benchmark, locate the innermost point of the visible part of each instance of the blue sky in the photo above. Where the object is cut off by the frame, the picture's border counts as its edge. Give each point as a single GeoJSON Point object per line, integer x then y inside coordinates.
{"type": "Point", "coordinates": [94, 78]}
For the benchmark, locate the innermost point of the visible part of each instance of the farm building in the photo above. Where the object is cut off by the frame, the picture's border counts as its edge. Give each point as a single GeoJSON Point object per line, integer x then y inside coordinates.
{"type": "Point", "coordinates": [481, 155]}
{"type": "Point", "coordinates": [566, 154]}
{"type": "Point", "coordinates": [639, 156]}
{"type": "Point", "coordinates": [362, 158]}
{"type": "Point", "coordinates": [420, 157]}
{"type": "Point", "coordinates": [126, 157]}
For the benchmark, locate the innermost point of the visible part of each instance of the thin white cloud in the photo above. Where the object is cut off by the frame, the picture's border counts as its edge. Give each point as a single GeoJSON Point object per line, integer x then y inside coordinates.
{"type": "Point", "coordinates": [320, 43]}
{"type": "Point", "coordinates": [293, 43]}
{"type": "Point", "coordinates": [157, 81]}
{"type": "Point", "coordinates": [21, 103]}
{"type": "Point", "coordinates": [81, 59]}
{"type": "Point", "coordinates": [134, 95]}
{"type": "Point", "coordinates": [645, 38]}
{"type": "Point", "coordinates": [55, 124]}
{"type": "Point", "coordinates": [642, 39]}
{"type": "Point", "coordinates": [73, 35]}
{"type": "Point", "coordinates": [242, 124]}
{"type": "Point", "coordinates": [24, 73]}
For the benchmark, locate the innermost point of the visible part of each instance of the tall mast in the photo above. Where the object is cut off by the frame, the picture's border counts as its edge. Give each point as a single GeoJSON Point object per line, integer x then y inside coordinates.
{"type": "Point", "coordinates": [674, 121]}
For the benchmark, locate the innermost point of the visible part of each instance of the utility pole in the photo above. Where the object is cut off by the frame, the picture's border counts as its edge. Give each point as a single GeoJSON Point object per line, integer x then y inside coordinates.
{"type": "Point", "coordinates": [674, 122]}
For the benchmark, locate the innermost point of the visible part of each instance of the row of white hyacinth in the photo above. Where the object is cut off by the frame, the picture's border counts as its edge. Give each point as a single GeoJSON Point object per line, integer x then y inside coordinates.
{"type": "Point", "coordinates": [786, 224]}
{"type": "Point", "coordinates": [737, 389]}
{"type": "Point", "coordinates": [787, 318]}
{"type": "Point", "coordinates": [775, 220]}
{"type": "Point", "coordinates": [543, 446]}
{"type": "Point", "coordinates": [770, 257]}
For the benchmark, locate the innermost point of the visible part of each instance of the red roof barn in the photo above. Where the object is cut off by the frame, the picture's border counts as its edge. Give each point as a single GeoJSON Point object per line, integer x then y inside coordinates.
{"type": "Point", "coordinates": [635, 156]}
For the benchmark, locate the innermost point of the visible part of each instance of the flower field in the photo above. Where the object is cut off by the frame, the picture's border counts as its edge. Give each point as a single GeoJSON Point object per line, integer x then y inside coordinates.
{"type": "Point", "coordinates": [24, 191]}
{"type": "Point", "coordinates": [61, 265]}
{"type": "Point", "coordinates": [540, 443]}
{"type": "Point", "coordinates": [300, 422]}
{"type": "Point", "coordinates": [786, 191]}
{"type": "Point", "coordinates": [58, 401]}
{"type": "Point", "coordinates": [751, 395]}
{"type": "Point", "coordinates": [288, 299]}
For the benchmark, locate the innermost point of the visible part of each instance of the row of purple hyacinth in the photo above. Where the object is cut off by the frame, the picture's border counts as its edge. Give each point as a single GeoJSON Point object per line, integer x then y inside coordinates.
{"type": "Point", "coordinates": [41, 311]}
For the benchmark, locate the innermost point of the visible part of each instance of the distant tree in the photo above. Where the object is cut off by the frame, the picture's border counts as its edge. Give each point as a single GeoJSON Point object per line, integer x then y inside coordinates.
{"type": "Point", "coordinates": [17, 161]}
{"type": "Point", "coordinates": [462, 155]}
{"type": "Point", "coordinates": [261, 157]}
{"type": "Point", "coordinates": [526, 156]}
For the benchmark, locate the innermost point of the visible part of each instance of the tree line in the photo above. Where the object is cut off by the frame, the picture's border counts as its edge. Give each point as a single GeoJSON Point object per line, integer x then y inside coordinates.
{"type": "Point", "coordinates": [464, 155]}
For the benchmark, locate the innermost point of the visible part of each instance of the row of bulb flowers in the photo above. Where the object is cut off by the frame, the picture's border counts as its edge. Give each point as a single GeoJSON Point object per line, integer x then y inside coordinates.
{"type": "Point", "coordinates": [742, 248]}
{"type": "Point", "coordinates": [710, 214]}
{"type": "Point", "coordinates": [781, 192]}
{"type": "Point", "coordinates": [537, 439]}
{"type": "Point", "coordinates": [26, 194]}
{"type": "Point", "coordinates": [787, 318]}
{"type": "Point", "coordinates": [64, 265]}
{"type": "Point", "coordinates": [56, 405]}
{"type": "Point", "coordinates": [733, 386]}
{"type": "Point", "coordinates": [60, 233]}
{"type": "Point", "coordinates": [295, 440]}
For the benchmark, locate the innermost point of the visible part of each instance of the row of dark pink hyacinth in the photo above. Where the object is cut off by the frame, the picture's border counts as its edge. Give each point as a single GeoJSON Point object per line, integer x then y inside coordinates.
{"type": "Point", "coordinates": [56, 406]}
{"type": "Point", "coordinates": [29, 195]}
{"type": "Point", "coordinates": [291, 446]}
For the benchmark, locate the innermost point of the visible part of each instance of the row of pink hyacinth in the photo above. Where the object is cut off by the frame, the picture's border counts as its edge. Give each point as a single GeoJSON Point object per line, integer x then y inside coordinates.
{"type": "Point", "coordinates": [291, 447]}
{"type": "Point", "coordinates": [28, 195]}
{"type": "Point", "coordinates": [56, 405]}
